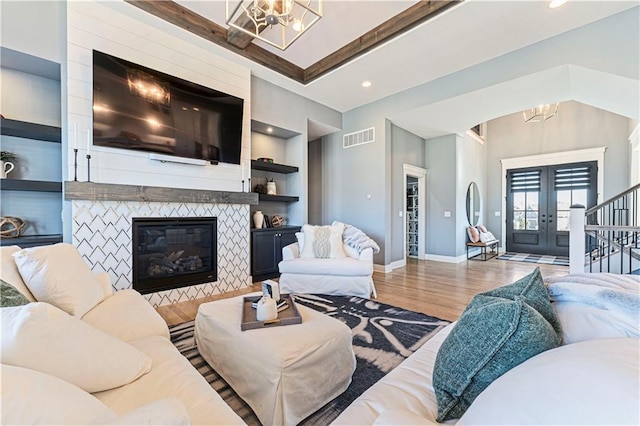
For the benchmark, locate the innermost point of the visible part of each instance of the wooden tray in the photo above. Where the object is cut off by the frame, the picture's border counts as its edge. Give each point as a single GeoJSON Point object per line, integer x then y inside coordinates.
{"type": "Point", "coordinates": [289, 316]}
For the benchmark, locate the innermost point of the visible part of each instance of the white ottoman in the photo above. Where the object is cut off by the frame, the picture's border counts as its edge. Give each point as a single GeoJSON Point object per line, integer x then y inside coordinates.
{"type": "Point", "coordinates": [284, 373]}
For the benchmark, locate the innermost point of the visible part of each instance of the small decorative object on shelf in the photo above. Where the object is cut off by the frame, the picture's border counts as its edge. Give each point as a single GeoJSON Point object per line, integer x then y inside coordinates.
{"type": "Point", "coordinates": [5, 163]}
{"type": "Point", "coordinates": [260, 189]}
{"type": "Point", "coordinates": [258, 219]}
{"type": "Point", "coordinates": [11, 227]}
{"type": "Point", "coordinates": [266, 160]}
{"type": "Point", "coordinates": [277, 220]}
{"type": "Point", "coordinates": [271, 187]}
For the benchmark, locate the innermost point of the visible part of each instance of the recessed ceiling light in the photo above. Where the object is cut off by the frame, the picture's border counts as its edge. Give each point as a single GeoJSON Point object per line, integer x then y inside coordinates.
{"type": "Point", "coordinates": [556, 3]}
{"type": "Point", "coordinates": [366, 83]}
{"type": "Point", "coordinates": [269, 129]}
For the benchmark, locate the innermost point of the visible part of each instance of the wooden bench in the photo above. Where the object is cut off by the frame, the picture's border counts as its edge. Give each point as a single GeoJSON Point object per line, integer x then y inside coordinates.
{"type": "Point", "coordinates": [483, 255]}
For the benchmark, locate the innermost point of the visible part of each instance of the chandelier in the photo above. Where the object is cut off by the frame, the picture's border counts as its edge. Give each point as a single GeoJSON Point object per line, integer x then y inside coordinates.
{"type": "Point", "coordinates": [540, 113]}
{"type": "Point", "coordinates": [276, 22]}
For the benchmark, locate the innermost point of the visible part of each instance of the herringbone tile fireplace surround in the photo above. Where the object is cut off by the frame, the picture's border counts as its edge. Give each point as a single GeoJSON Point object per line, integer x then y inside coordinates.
{"type": "Point", "coordinates": [102, 233]}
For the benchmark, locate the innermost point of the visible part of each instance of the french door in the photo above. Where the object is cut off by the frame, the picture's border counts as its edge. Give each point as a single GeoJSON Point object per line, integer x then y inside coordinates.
{"type": "Point", "coordinates": [538, 202]}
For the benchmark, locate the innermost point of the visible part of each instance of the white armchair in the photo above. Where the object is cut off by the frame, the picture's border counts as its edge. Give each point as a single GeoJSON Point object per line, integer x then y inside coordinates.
{"type": "Point", "coordinates": [350, 275]}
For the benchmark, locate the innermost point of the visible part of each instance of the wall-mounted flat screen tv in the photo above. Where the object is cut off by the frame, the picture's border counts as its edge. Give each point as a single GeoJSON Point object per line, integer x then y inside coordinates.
{"type": "Point", "coordinates": [137, 108]}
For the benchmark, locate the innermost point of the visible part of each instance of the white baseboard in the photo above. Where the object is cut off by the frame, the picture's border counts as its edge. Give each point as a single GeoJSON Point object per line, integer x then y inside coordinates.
{"type": "Point", "coordinates": [385, 269]}
{"type": "Point", "coordinates": [446, 259]}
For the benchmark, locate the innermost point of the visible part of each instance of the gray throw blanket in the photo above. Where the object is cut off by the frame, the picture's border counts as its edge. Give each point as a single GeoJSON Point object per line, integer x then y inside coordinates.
{"type": "Point", "coordinates": [612, 292]}
{"type": "Point", "coordinates": [353, 237]}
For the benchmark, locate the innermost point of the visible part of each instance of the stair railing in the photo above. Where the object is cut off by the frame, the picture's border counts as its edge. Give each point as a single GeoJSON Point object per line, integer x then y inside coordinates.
{"type": "Point", "coordinates": [611, 235]}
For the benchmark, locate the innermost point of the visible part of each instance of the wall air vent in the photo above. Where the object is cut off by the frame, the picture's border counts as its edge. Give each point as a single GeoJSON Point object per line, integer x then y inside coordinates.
{"type": "Point", "coordinates": [359, 138]}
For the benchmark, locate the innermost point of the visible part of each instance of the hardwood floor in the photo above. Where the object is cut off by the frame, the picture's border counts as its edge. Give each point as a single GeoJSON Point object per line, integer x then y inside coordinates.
{"type": "Point", "coordinates": [434, 288]}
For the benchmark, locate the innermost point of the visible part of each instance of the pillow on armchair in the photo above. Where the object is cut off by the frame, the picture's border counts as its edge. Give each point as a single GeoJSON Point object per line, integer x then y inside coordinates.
{"type": "Point", "coordinates": [322, 242]}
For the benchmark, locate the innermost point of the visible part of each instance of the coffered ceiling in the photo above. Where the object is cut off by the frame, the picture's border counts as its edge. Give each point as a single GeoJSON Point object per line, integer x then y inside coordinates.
{"type": "Point", "coordinates": [397, 45]}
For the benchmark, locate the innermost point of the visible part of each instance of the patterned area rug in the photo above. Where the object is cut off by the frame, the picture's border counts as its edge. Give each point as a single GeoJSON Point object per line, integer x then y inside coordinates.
{"type": "Point", "coordinates": [383, 336]}
{"type": "Point", "coordinates": [535, 258]}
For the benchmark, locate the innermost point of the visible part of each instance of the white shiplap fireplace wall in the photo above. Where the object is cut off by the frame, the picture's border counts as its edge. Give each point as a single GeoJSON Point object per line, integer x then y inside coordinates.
{"type": "Point", "coordinates": [97, 228]}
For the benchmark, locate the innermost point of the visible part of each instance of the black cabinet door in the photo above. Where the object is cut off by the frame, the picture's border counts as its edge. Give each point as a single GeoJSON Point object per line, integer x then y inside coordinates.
{"type": "Point", "coordinates": [266, 250]}
{"type": "Point", "coordinates": [264, 253]}
{"type": "Point", "coordinates": [286, 237]}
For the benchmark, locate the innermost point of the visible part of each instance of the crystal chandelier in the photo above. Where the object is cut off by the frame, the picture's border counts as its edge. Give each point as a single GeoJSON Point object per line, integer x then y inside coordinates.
{"type": "Point", "coordinates": [276, 22]}
{"type": "Point", "coordinates": [540, 113]}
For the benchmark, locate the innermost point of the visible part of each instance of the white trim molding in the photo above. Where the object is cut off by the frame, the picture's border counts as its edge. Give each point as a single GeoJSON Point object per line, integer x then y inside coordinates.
{"type": "Point", "coordinates": [565, 157]}
{"type": "Point", "coordinates": [446, 259]}
{"type": "Point", "coordinates": [385, 269]}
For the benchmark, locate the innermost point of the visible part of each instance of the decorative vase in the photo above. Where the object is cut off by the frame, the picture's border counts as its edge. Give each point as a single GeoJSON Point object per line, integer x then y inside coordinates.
{"type": "Point", "coordinates": [271, 188]}
{"type": "Point", "coordinates": [5, 168]}
{"type": "Point", "coordinates": [258, 219]}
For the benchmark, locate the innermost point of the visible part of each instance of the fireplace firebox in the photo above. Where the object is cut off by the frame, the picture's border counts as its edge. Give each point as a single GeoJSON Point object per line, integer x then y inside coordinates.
{"type": "Point", "coordinates": [170, 253]}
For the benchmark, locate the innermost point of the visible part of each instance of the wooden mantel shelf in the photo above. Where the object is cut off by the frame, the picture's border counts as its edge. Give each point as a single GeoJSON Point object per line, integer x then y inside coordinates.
{"type": "Point", "coordinates": [114, 192]}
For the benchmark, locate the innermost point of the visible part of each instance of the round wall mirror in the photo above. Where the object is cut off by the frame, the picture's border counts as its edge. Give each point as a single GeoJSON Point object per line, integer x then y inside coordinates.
{"type": "Point", "coordinates": [473, 204]}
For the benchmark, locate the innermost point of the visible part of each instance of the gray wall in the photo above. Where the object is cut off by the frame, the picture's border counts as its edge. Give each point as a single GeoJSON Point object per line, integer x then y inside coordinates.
{"type": "Point", "coordinates": [278, 107]}
{"type": "Point", "coordinates": [471, 166]}
{"type": "Point", "coordinates": [35, 27]}
{"type": "Point", "coordinates": [355, 179]}
{"type": "Point", "coordinates": [315, 182]}
{"type": "Point", "coordinates": [406, 148]}
{"type": "Point", "coordinates": [441, 195]}
{"type": "Point", "coordinates": [576, 126]}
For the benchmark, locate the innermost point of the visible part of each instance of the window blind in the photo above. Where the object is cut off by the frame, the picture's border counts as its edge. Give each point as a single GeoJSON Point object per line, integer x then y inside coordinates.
{"type": "Point", "coordinates": [525, 181]}
{"type": "Point", "coordinates": [578, 177]}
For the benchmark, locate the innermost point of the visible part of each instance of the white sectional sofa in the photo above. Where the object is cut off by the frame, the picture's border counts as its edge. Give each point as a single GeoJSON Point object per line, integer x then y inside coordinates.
{"type": "Point", "coordinates": [592, 378]}
{"type": "Point", "coordinates": [171, 391]}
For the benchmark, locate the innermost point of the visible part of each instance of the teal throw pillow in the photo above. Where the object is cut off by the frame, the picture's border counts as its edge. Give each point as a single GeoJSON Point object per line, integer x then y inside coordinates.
{"type": "Point", "coordinates": [11, 296]}
{"type": "Point", "coordinates": [497, 331]}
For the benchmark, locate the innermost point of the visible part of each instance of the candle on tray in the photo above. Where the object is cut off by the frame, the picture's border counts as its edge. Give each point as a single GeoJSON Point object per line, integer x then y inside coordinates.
{"type": "Point", "coordinates": [88, 141]}
{"type": "Point", "coordinates": [75, 135]}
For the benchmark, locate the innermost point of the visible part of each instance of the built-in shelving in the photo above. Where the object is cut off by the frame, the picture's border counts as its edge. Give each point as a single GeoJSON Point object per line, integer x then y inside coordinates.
{"type": "Point", "coordinates": [34, 190]}
{"type": "Point", "coordinates": [272, 167]}
{"type": "Point", "coordinates": [412, 219]}
{"type": "Point", "coordinates": [31, 240]}
{"type": "Point", "coordinates": [281, 228]}
{"type": "Point", "coordinates": [22, 129]}
{"type": "Point", "coordinates": [279, 198]}
{"type": "Point", "coordinates": [30, 185]}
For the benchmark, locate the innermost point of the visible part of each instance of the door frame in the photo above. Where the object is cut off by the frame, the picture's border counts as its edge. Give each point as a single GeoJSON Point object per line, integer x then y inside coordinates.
{"type": "Point", "coordinates": [565, 157]}
{"type": "Point", "coordinates": [420, 174]}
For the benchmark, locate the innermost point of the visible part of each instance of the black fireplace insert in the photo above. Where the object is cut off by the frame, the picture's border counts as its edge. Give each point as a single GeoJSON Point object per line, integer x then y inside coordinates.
{"type": "Point", "coordinates": [170, 253]}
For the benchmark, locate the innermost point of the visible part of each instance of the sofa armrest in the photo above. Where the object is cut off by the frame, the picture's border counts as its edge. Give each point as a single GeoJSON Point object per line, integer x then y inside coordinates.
{"type": "Point", "coordinates": [366, 255]}
{"type": "Point", "coordinates": [292, 251]}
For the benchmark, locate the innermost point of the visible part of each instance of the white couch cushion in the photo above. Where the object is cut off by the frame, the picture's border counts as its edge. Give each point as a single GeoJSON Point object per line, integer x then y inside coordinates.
{"type": "Point", "coordinates": [591, 382]}
{"type": "Point", "coordinates": [167, 411]}
{"type": "Point", "coordinates": [127, 316]}
{"type": "Point", "coordinates": [57, 274]}
{"type": "Point", "coordinates": [323, 242]}
{"type": "Point", "coordinates": [44, 338]}
{"type": "Point", "coordinates": [584, 322]}
{"type": "Point", "coordinates": [408, 387]}
{"type": "Point", "coordinates": [30, 397]}
{"type": "Point", "coordinates": [9, 271]}
{"type": "Point", "coordinates": [171, 376]}
{"type": "Point", "coordinates": [344, 266]}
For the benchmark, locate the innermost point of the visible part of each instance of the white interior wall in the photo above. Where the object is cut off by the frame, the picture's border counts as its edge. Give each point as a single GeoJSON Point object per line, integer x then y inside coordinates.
{"type": "Point", "coordinates": [125, 31]}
